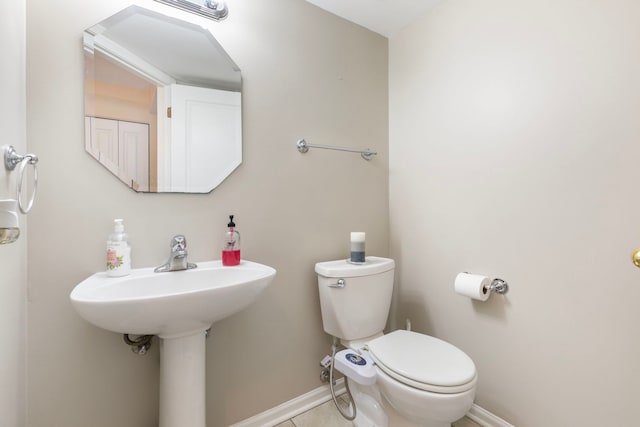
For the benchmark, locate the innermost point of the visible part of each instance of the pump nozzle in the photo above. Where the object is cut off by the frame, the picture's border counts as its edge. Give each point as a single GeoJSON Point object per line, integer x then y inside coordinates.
{"type": "Point", "coordinates": [118, 225]}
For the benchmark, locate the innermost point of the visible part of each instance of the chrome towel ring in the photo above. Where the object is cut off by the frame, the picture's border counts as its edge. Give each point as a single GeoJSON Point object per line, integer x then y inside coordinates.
{"type": "Point", "coordinates": [11, 160]}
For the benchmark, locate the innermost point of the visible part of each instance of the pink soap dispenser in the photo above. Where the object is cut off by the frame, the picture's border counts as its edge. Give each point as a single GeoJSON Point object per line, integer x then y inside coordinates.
{"type": "Point", "coordinates": [231, 245]}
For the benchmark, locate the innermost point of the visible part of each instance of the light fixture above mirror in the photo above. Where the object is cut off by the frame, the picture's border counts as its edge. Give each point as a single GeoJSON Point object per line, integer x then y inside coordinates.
{"type": "Point", "coordinates": [216, 10]}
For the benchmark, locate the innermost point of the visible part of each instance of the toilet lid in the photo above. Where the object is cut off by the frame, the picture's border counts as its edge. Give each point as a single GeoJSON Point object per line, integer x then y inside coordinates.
{"type": "Point", "coordinates": [422, 361]}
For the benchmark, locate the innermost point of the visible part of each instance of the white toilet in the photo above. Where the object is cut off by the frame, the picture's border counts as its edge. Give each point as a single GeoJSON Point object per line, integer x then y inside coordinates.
{"type": "Point", "coordinates": [419, 380]}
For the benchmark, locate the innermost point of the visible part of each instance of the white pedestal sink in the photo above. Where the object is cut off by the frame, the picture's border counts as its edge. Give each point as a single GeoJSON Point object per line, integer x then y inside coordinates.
{"type": "Point", "coordinates": [178, 307]}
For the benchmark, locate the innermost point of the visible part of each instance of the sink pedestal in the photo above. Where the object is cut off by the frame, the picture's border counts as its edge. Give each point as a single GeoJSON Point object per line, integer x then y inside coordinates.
{"type": "Point", "coordinates": [182, 381]}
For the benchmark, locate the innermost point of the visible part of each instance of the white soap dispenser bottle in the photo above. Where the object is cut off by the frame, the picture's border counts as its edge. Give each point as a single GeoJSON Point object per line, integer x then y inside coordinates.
{"type": "Point", "coordinates": [118, 251]}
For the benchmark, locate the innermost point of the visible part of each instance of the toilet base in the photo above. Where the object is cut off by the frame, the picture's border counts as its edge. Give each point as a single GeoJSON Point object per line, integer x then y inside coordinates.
{"type": "Point", "coordinates": [396, 420]}
{"type": "Point", "coordinates": [375, 410]}
{"type": "Point", "coordinates": [369, 410]}
{"type": "Point", "coordinates": [372, 413]}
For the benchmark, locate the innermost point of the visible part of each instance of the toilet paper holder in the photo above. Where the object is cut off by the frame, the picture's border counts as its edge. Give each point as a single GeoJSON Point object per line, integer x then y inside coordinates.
{"type": "Point", "coordinates": [499, 286]}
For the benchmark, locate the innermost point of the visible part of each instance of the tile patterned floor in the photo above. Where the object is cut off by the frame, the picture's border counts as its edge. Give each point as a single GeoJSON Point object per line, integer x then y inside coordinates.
{"type": "Point", "coordinates": [326, 415]}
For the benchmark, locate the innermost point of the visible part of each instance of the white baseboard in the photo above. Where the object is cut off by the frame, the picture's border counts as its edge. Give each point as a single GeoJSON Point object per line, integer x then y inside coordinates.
{"type": "Point", "coordinates": [322, 394]}
{"type": "Point", "coordinates": [292, 408]}
{"type": "Point", "coordinates": [486, 418]}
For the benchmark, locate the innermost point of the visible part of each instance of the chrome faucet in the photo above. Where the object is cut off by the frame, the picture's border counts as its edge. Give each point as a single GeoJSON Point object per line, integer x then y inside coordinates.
{"type": "Point", "coordinates": [178, 257]}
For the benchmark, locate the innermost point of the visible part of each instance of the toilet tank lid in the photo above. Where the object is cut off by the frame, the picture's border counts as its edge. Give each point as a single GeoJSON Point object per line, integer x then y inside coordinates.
{"type": "Point", "coordinates": [343, 268]}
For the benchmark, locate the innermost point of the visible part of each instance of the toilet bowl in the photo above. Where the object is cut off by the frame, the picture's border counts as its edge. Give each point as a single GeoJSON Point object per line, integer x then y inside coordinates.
{"type": "Point", "coordinates": [426, 380]}
{"type": "Point", "coordinates": [419, 380]}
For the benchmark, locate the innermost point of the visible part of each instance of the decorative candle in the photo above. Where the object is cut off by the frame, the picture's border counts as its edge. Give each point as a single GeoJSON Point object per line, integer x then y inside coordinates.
{"type": "Point", "coordinates": [357, 246]}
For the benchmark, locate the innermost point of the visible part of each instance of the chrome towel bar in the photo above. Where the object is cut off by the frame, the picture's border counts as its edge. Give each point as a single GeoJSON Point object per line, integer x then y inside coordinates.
{"type": "Point", "coordinates": [367, 154]}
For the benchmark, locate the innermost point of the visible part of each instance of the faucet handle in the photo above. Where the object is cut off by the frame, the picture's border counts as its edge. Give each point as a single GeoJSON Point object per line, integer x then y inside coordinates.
{"type": "Point", "coordinates": [178, 257]}
{"type": "Point", "coordinates": [178, 243]}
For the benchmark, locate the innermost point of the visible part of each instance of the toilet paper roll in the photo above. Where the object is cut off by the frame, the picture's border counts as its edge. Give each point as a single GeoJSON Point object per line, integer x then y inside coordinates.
{"type": "Point", "coordinates": [473, 286]}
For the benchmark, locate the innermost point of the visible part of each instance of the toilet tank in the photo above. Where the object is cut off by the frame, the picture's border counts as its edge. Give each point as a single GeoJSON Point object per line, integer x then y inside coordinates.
{"type": "Point", "coordinates": [360, 308]}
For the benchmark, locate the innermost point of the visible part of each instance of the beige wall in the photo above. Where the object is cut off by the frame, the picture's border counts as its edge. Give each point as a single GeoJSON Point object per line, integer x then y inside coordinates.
{"type": "Point", "coordinates": [514, 153]}
{"type": "Point", "coordinates": [306, 74]}
{"type": "Point", "coordinates": [13, 257]}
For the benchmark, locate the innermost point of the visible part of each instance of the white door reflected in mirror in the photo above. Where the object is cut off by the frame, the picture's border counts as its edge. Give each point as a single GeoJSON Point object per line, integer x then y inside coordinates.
{"type": "Point", "coordinates": [201, 121]}
{"type": "Point", "coordinates": [122, 147]}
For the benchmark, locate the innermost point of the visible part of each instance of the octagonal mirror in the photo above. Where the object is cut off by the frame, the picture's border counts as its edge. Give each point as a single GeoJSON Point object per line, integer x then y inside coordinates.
{"type": "Point", "coordinates": [162, 103]}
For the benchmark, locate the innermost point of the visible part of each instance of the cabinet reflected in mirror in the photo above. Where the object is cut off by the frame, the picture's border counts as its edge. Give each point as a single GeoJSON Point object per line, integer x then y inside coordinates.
{"type": "Point", "coordinates": [163, 109]}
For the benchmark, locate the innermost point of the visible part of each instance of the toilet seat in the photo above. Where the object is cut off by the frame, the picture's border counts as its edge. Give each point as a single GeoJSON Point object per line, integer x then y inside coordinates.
{"type": "Point", "coordinates": [423, 362]}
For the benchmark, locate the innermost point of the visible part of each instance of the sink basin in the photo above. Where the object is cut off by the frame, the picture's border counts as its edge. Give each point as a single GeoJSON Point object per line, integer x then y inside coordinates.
{"type": "Point", "coordinates": [170, 304]}
{"type": "Point", "coordinates": [178, 307]}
